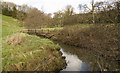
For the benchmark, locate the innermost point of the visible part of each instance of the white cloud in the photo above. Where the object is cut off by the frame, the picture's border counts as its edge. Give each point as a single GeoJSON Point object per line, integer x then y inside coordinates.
{"type": "Point", "coordinates": [51, 6]}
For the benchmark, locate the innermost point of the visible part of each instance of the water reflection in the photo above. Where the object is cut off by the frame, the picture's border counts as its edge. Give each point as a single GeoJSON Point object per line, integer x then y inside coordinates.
{"type": "Point", "coordinates": [74, 63]}
{"type": "Point", "coordinates": [80, 59]}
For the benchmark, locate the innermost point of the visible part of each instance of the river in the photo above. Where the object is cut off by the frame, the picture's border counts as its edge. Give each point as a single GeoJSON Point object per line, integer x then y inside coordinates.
{"type": "Point", "coordinates": [81, 59]}
{"type": "Point", "coordinates": [74, 63]}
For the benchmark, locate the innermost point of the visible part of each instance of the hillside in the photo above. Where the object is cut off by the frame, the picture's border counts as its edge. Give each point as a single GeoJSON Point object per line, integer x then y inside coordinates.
{"type": "Point", "coordinates": [9, 26]}
{"type": "Point", "coordinates": [23, 52]}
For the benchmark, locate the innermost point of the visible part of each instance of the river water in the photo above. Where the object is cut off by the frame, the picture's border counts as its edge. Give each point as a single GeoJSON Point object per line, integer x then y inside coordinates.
{"type": "Point", "coordinates": [74, 63]}
{"type": "Point", "coordinates": [81, 59]}
{"type": "Point", "coordinates": [72, 56]}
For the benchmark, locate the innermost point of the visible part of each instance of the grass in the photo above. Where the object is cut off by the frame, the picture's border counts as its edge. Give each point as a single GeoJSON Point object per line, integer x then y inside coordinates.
{"type": "Point", "coordinates": [9, 26]}
{"type": "Point", "coordinates": [30, 53]}
{"type": "Point", "coordinates": [55, 28]}
{"type": "Point", "coordinates": [60, 28]}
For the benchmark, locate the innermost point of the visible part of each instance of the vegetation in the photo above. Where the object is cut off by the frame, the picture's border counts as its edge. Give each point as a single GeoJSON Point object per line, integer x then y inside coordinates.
{"type": "Point", "coordinates": [92, 58]}
{"type": "Point", "coordinates": [10, 26]}
{"type": "Point", "coordinates": [95, 29]}
{"type": "Point", "coordinates": [36, 19]}
{"type": "Point", "coordinates": [100, 39]}
{"type": "Point", "coordinates": [101, 13]}
{"type": "Point", "coordinates": [54, 28]}
{"type": "Point", "coordinates": [13, 10]}
{"type": "Point", "coordinates": [23, 52]}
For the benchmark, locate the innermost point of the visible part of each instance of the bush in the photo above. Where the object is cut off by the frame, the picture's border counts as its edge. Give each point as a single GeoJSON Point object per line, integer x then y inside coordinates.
{"type": "Point", "coordinates": [102, 39]}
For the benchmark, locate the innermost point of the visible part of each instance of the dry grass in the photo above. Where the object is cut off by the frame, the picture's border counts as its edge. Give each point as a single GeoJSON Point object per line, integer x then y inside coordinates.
{"type": "Point", "coordinates": [15, 39]}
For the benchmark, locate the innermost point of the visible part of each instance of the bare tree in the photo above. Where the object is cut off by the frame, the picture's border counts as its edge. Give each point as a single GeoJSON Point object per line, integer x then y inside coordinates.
{"type": "Point", "coordinates": [93, 12]}
{"type": "Point", "coordinates": [37, 19]}
{"type": "Point", "coordinates": [32, 19]}
{"type": "Point", "coordinates": [68, 15]}
{"type": "Point", "coordinates": [87, 10]}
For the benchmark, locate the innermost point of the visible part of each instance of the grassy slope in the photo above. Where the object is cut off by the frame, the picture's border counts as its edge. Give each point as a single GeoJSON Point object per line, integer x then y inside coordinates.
{"type": "Point", "coordinates": [33, 53]}
{"type": "Point", "coordinates": [9, 26]}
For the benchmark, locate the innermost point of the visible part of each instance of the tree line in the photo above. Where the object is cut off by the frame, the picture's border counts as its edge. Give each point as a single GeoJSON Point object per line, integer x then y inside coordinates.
{"type": "Point", "coordinates": [32, 17]}
{"type": "Point", "coordinates": [100, 12]}
{"type": "Point", "coordinates": [16, 11]}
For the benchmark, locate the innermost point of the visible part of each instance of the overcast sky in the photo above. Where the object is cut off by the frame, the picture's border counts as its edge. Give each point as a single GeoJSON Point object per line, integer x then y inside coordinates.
{"type": "Point", "coordinates": [51, 6]}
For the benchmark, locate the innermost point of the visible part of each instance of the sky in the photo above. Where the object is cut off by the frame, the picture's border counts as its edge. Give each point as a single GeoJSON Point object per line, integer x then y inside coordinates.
{"type": "Point", "coordinates": [51, 6]}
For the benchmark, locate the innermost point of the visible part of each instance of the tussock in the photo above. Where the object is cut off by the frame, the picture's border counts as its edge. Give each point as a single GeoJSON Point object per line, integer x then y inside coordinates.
{"type": "Point", "coordinates": [15, 39]}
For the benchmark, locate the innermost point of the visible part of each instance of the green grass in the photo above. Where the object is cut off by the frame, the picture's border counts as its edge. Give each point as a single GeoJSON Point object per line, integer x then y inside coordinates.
{"type": "Point", "coordinates": [9, 26]}
{"type": "Point", "coordinates": [33, 53]}
{"type": "Point", "coordinates": [55, 28]}
{"type": "Point", "coordinates": [32, 48]}
{"type": "Point", "coordinates": [59, 28]}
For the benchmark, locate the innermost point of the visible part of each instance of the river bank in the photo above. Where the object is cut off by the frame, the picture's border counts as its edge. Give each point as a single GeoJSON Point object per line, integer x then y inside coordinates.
{"type": "Point", "coordinates": [24, 52]}
{"type": "Point", "coordinates": [101, 40]}
{"type": "Point", "coordinates": [87, 59]}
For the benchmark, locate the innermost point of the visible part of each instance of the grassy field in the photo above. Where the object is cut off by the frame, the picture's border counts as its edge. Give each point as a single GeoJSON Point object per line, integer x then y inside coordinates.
{"type": "Point", "coordinates": [23, 52]}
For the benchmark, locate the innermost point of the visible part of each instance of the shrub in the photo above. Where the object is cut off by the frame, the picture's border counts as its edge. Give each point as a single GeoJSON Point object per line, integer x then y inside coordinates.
{"type": "Point", "coordinates": [102, 39]}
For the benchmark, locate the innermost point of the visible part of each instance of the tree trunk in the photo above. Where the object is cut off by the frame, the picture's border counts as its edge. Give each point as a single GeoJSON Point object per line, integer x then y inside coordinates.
{"type": "Point", "coordinates": [118, 11]}
{"type": "Point", "coordinates": [93, 16]}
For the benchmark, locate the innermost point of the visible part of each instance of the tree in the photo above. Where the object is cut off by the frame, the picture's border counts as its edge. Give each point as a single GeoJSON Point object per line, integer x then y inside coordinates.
{"type": "Point", "coordinates": [118, 11]}
{"type": "Point", "coordinates": [106, 11]}
{"type": "Point", "coordinates": [13, 10]}
{"type": "Point", "coordinates": [32, 19]}
{"type": "Point", "coordinates": [68, 16]}
{"type": "Point", "coordinates": [58, 18]}
{"type": "Point", "coordinates": [37, 19]}
{"type": "Point", "coordinates": [14, 13]}
{"type": "Point", "coordinates": [93, 12]}
{"type": "Point", "coordinates": [86, 9]}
